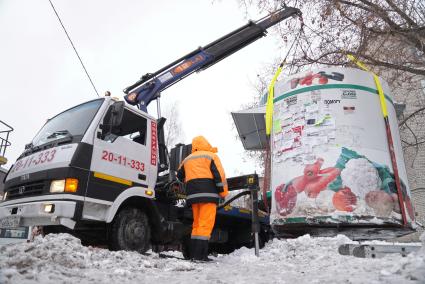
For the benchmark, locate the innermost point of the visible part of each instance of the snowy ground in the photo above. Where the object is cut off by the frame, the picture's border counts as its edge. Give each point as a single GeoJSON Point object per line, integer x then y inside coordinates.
{"type": "Point", "coordinates": [62, 259]}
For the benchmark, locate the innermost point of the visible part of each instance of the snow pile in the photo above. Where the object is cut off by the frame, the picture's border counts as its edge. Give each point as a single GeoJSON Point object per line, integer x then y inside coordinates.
{"type": "Point", "coordinates": [360, 176]}
{"type": "Point", "coordinates": [61, 258]}
{"type": "Point", "coordinates": [58, 258]}
{"type": "Point", "coordinates": [412, 266]}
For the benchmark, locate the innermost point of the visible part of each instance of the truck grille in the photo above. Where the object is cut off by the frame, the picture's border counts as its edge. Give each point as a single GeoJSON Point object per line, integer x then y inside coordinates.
{"type": "Point", "coordinates": [24, 190]}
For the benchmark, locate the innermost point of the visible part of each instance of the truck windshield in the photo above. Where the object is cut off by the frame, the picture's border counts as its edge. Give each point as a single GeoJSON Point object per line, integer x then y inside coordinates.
{"type": "Point", "coordinates": [71, 124]}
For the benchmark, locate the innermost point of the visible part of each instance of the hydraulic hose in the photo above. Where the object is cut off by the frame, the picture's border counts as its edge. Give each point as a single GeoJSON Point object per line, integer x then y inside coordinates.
{"type": "Point", "coordinates": [240, 194]}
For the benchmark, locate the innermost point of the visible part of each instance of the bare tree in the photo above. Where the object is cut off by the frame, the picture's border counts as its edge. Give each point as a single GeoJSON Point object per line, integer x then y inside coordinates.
{"type": "Point", "coordinates": [369, 29]}
{"type": "Point", "coordinates": [387, 35]}
{"type": "Point", "coordinates": [173, 127]}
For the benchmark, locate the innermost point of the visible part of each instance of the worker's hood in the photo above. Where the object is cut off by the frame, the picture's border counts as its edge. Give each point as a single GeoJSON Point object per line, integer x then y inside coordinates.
{"type": "Point", "coordinates": [199, 143]}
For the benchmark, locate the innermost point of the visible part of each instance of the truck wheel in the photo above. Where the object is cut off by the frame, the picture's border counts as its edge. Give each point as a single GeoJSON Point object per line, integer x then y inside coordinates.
{"type": "Point", "coordinates": [130, 231]}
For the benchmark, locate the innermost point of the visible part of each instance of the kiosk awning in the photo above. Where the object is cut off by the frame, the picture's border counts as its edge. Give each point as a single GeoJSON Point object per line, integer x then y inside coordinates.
{"type": "Point", "coordinates": [251, 126]}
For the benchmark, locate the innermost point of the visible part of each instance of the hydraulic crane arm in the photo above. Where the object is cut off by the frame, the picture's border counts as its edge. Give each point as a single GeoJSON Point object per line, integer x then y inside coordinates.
{"type": "Point", "coordinates": [150, 85]}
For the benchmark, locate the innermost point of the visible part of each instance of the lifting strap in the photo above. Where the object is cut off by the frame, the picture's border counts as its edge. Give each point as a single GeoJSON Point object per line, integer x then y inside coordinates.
{"type": "Point", "coordinates": [389, 135]}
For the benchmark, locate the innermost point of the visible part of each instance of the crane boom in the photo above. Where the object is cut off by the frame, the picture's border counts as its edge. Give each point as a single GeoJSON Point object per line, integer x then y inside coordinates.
{"type": "Point", "coordinates": [150, 85]}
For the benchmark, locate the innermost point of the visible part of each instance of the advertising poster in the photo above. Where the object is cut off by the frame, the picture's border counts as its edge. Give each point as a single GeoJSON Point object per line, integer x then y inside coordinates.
{"type": "Point", "coordinates": [330, 156]}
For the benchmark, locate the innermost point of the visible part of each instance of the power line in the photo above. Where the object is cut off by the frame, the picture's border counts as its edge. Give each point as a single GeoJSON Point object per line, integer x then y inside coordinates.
{"type": "Point", "coordinates": [81, 61]}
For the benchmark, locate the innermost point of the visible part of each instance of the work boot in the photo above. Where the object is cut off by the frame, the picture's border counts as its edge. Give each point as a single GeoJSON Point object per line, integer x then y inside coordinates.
{"type": "Point", "coordinates": [204, 250]}
{"type": "Point", "coordinates": [195, 249]}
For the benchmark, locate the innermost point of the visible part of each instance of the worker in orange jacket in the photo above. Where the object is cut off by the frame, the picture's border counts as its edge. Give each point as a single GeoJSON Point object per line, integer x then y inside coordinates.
{"type": "Point", "coordinates": [205, 185]}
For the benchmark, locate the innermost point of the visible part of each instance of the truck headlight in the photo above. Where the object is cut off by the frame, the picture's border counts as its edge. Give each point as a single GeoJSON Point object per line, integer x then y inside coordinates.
{"type": "Point", "coordinates": [5, 195]}
{"type": "Point", "coordinates": [64, 185]}
{"type": "Point", "coordinates": [57, 185]}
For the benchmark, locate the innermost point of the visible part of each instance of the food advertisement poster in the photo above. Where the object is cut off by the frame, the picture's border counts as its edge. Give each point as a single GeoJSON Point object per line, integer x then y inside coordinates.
{"type": "Point", "coordinates": [330, 156]}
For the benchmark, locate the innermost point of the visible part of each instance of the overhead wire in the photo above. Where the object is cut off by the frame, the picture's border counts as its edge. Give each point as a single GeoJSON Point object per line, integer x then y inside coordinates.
{"type": "Point", "coordinates": [73, 46]}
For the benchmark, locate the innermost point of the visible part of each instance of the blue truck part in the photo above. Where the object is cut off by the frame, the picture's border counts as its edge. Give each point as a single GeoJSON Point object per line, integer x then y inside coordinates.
{"type": "Point", "coordinates": [150, 85]}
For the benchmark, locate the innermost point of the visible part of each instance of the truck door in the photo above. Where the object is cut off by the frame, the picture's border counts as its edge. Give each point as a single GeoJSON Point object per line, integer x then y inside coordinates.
{"type": "Point", "coordinates": [121, 156]}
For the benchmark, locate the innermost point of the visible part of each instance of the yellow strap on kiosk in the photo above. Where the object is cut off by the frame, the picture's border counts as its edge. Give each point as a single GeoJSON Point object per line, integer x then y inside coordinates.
{"type": "Point", "coordinates": [377, 83]}
{"type": "Point", "coordinates": [270, 97]}
{"type": "Point", "coordinates": [389, 137]}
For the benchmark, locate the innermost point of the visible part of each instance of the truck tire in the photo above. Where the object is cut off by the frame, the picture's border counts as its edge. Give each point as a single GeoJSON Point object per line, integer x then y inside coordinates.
{"type": "Point", "coordinates": [130, 231]}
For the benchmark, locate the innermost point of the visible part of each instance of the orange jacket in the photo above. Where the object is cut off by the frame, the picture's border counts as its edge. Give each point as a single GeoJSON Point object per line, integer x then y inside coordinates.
{"type": "Point", "coordinates": [203, 174]}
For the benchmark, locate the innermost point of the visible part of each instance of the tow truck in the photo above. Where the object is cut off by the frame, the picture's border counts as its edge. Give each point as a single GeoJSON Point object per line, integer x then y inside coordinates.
{"type": "Point", "coordinates": [101, 171]}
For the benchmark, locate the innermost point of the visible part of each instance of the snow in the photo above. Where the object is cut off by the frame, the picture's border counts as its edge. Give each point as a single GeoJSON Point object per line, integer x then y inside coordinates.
{"type": "Point", "coordinates": [62, 259]}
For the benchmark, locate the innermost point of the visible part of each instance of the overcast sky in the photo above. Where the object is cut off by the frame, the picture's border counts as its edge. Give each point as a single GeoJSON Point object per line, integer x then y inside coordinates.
{"type": "Point", "coordinates": [119, 41]}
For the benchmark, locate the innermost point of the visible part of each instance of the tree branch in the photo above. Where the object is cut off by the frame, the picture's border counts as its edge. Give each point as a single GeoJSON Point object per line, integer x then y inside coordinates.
{"type": "Point", "coordinates": [410, 116]}
{"type": "Point", "coordinates": [379, 11]}
{"type": "Point", "coordinates": [401, 13]}
{"type": "Point", "coordinates": [376, 62]}
{"type": "Point", "coordinates": [413, 144]}
{"type": "Point", "coordinates": [416, 144]}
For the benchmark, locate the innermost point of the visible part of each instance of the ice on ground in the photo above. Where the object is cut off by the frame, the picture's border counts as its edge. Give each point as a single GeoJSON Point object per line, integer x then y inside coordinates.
{"type": "Point", "coordinates": [62, 259]}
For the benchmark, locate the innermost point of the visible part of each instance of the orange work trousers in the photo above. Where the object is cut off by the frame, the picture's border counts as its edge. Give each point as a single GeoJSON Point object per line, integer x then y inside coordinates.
{"type": "Point", "coordinates": [203, 220]}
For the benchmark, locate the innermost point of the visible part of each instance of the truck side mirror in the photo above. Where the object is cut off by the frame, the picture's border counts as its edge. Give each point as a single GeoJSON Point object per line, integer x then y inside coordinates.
{"type": "Point", "coordinates": [112, 120]}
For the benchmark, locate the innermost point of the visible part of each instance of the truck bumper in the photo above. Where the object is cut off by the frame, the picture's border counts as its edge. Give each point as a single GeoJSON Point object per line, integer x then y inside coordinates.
{"type": "Point", "coordinates": [37, 213]}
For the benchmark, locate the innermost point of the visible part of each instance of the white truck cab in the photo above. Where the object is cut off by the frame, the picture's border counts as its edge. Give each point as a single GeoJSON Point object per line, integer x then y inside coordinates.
{"type": "Point", "coordinates": [82, 166]}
